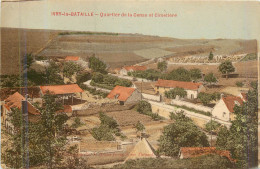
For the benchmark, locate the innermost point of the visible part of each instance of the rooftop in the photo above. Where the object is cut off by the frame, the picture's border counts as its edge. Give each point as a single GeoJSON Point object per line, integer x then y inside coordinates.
{"type": "Point", "coordinates": [181, 84]}
{"type": "Point", "coordinates": [15, 101]}
{"type": "Point", "coordinates": [61, 89]}
{"type": "Point", "coordinates": [190, 152]}
{"type": "Point", "coordinates": [121, 93]}
{"type": "Point", "coordinates": [231, 101]}
{"type": "Point", "coordinates": [72, 58]}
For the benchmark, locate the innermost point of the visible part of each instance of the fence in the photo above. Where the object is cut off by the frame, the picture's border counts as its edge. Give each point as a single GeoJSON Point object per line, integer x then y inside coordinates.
{"type": "Point", "coordinates": [191, 105]}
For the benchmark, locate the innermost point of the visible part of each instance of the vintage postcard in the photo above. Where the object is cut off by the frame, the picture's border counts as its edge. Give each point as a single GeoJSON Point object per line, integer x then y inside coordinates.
{"type": "Point", "coordinates": [129, 84]}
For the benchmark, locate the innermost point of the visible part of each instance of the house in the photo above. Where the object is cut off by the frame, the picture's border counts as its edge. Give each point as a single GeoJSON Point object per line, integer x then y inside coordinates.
{"type": "Point", "coordinates": [63, 91]}
{"type": "Point", "coordinates": [191, 152]}
{"type": "Point", "coordinates": [72, 58]}
{"type": "Point", "coordinates": [243, 96]}
{"type": "Point", "coordinates": [224, 109]}
{"type": "Point", "coordinates": [124, 71]}
{"type": "Point", "coordinates": [15, 101]}
{"type": "Point", "coordinates": [77, 60]}
{"type": "Point", "coordinates": [125, 95]}
{"type": "Point", "coordinates": [192, 88]}
{"type": "Point", "coordinates": [141, 150]}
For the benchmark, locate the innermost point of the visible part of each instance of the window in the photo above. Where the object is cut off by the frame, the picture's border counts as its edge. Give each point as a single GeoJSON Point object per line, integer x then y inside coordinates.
{"type": "Point", "coordinates": [224, 114]}
{"type": "Point", "coordinates": [191, 96]}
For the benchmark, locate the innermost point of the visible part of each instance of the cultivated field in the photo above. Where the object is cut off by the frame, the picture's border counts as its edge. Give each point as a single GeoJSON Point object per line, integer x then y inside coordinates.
{"type": "Point", "coordinates": [116, 50]}
{"type": "Point", "coordinates": [15, 43]}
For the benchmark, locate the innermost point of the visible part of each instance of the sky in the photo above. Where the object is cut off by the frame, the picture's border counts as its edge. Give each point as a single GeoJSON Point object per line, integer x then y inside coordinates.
{"type": "Point", "coordinates": [194, 20]}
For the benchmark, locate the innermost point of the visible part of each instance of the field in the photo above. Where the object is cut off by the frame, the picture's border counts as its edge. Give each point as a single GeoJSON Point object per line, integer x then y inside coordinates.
{"type": "Point", "coordinates": [15, 43]}
{"type": "Point", "coordinates": [116, 50]}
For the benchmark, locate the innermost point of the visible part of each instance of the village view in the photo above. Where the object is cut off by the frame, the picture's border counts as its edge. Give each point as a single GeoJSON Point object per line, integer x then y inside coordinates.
{"type": "Point", "coordinates": [192, 110]}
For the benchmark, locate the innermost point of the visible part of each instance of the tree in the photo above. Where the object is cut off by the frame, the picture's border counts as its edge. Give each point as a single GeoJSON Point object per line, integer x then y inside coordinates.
{"type": "Point", "coordinates": [83, 77]}
{"type": "Point", "coordinates": [139, 127]}
{"type": "Point", "coordinates": [195, 74]}
{"type": "Point", "coordinates": [226, 68]}
{"type": "Point", "coordinates": [143, 107]}
{"type": "Point", "coordinates": [213, 126]}
{"type": "Point", "coordinates": [97, 65]}
{"type": "Point", "coordinates": [241, 139]}
{"type": "Point", "coordinates": [98, 77]}
{"type": "Point", "coordinates": [45, 142]}
{"type": "Point", "coordinates": [51, 126]}
{"type": "Point", "coordinates": [179, 74]}
{"type": "Point", "coordinates": [176, 92]}
{"type": "Point", "coordinates": [182, 133]}
{"type": "Point", "coordinates": [211, 56]}
{"type": "Point", "coordinates": [205, 98]}
{"type": "Point", "coordinates": [70, 68]}
{"type": "Point", "coordinates": [53, 74]}
{"type": "Point", "coordinates": [210, 78]}
{"type": "Point", "coordinates": [162, 66]}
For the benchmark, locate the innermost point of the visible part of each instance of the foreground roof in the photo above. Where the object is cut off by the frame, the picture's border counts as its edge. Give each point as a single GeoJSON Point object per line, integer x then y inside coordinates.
{"type": "Point", "coordinates": [121, 93]}
{"type": "Point", "coordinates": [135, 68]}
{"type": "Point", "coordinates": [190, 152]}
{"type": "Point", "coordinates": [231, 101]}
{"type": "Point", "coordinates": [61, 89]}
{"type": "Point", "coordinates": [72, 58]}
{"type": "Point", "coordinates": [142, 150]}
{"type": "Point", "coordinates": [15, 101]}
{"type": "Point", "coordinates": [181, 84]}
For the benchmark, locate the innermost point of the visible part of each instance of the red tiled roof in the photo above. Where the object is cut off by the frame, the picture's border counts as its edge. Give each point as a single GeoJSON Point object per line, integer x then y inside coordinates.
{"type": "Point", "coordinates": [230, 102]}
{"type": "Point", "coordinates": [15, 101]}
{"type": "Point", "coordinates": [61, 89]}
{"type": "Point", "coordinates": [135, 68]}
{"type": "Point", "coordinates": [72, 58]}
{"type": "Point", "coordinates": [244, 95]}
{"type": "Point", "coordinates": [181, 84]}
{"type": "Point", "coordinates": [122, 93]}
{"type": "Point", "coordinates": [190, 152]}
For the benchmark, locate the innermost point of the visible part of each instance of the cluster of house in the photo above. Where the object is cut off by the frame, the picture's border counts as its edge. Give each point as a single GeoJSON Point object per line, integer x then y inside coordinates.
{"type": "Point", "coordinates": [223, 110]}
{"type": "Point", "coordinates": [15, 101]}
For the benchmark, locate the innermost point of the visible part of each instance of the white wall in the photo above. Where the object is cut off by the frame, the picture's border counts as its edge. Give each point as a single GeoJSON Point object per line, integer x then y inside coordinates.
{"type": "Point", "coordinates": [191, 105]}
{"type": "Point", "coordinates": [135, 97]}
{"type": "Point", "coordinates": [190, 93]}
{"type": "Point", "coordinates": [219, 109]}
{"type": "Point", "coordinates": [151, 97]}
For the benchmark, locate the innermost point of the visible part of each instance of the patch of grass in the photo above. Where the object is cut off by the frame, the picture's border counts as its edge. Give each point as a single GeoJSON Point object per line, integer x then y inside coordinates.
{"type": "Point", "coordinates": [251, 56]}
{"type": "Point", "coordinates": [239, 84]}
{"type": "Point", "coordinates": [192, 109]}
{"type": "Point", "coordinates": [88, 33]}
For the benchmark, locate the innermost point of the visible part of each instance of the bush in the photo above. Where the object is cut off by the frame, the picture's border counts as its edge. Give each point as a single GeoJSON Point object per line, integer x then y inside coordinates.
{"type": "Point", "coordinates": [102, 133]}
{"type": "Point", "coordinates": [77, 123]}
{"type": "Point", "coordinates": [107, 121]}
{"type": "Point", "coordinates": [143, 106]}
{"type": "Point", "coordinates": [83, 77]}
{"type": "Point", "coordinates": [239, 84]}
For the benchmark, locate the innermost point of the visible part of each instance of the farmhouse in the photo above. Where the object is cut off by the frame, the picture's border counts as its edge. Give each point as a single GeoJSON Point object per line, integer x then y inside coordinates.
{"type": "Point", "coordinates": [191, 152]}
{"type": "Point", "coordinates": [127, 69]}
{"type": "Point", "coordinates": [12, 102]}
{"type": "Point", "coordinates": [63, 91]}
{"type": "Point", "coordinates": [125, 95]}
{"type": "Point", "coordinates": [192, 88]}
{"type": "Point", "coordinates": [77, 60]}
{"type": "Point", "coordinates": [225, 107]}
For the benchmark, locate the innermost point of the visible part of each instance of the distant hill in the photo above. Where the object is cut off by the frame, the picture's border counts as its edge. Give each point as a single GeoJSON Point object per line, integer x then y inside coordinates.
{"type": "Point", "coordinates": [115, 49]}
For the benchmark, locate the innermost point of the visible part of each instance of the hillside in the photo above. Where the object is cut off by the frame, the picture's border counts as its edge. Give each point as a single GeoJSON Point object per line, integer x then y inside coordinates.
{"type": "Point", "coordinates": [115, 49]}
